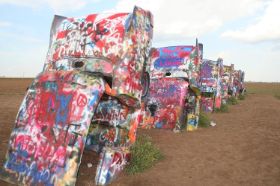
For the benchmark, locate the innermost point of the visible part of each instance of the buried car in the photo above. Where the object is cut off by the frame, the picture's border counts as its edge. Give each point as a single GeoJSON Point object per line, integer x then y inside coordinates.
{"type": "Point", "coordinates": [173, 98]}
{"type": "Point", "coordinates": [210, 77]}
{"type": "Point", "coordinates": [227, 82]}
{"type": "Point", "coordinates": [238, 83]}
{"type": "Point", "coordinates": [92, 76]}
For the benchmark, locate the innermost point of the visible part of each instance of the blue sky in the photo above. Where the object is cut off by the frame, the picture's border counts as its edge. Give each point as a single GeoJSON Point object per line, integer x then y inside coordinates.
{"type": "Point", "coordinates": [243, 32]}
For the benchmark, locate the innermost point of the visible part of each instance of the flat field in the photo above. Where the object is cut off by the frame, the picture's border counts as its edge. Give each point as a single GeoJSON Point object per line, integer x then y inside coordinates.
{"type": "Point", "coordinates": [242, 149]}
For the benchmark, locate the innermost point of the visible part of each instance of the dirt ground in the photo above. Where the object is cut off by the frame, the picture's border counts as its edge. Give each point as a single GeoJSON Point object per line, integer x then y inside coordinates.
{"type": "Point", "coordinates": [243, 149]}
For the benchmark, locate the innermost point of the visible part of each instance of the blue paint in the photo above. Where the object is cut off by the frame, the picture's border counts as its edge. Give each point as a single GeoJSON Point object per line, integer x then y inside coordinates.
{"type": "Point", "coordinates": [169, 91]}
{"type": "Point", "coordinates": [20, 152]}
{"type": "Point", "coordinates": [159, 124]}
{"type": "Point", "coordinates": [168, 62]}
{"type": "Point", "coordinates": [23, 167]}
{"type": "Point", "coordinates": [63, 110]}
{"type": "Point", "coordinates": [192, 122]}
{"type": "Point", "coordinates": [91, 44]}
{"type": "Point", "coordinates": [173, 88]}
{"type": "Point", "coordinates": [94, 98]}
{"type": "Point", "coordinates": [128, 22]}
{"type": "Point", "coordinates": [206, 70]}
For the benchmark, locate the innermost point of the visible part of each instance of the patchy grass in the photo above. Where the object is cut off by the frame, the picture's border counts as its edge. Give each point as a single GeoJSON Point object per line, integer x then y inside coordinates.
{"type": "Point", "coordinates": [232, 101]}
{"type": "Point", "coordinates": [223, 109]}
{"type": "Point", "coordinates": [144, 155]}
{"type": "Point", "coordinates": [277, 96]}
{"type": "Point", "coordinates": [241, 97]}
{"type": "Point", "coordinates": [204, 120]}
{"type": "Point", "coordinates": [272, 89]}
{"type": "Point", "coordinates": [263, 88]}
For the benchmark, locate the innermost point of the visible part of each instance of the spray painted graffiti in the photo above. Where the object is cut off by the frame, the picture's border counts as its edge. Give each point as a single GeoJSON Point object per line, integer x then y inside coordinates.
{"type": "Point", "coordinates": [232, 83]}
{"type": "Point", "coordinates": [92, 76]}
{"type": "Point", "coordinates": [51, 128]}
{"type": "Point", "coordinates": [174, 76]}
{"type": "Point", "coordinates": [211, 84]}
{"type": "Point", "coordinates": [166, 103]}
{"type": "Point", "coordinates": [110, 43]}
{"type": "Point", "coordinates": [238, 83]}
{"type": "Point", "coordinates": [112, 162]}
{"type": "Point", "coordinates": [227, 82]}
{"type": "Point", "coordinates": [193, 110]}
{"type": "Point", "coordinates": [207, 102]}
{"type": "Point", "coordinates": [107, 130]}
{"type": "Point", "coordinates": [176, 62]}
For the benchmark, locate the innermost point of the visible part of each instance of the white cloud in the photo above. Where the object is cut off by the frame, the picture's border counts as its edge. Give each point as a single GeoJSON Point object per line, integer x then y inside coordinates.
{"type": "Point", "coordinates": [220, 54]}
{"type": "Point", "coordinates": [62, 5]}
{"type": "Point", "coordinates": [179, 19]}
{"type": "Point", "coordinates": [56, 5]}
{"type": "Point", "coordinates": [266, 27]}
{"type": "Point", "coordinates": [5, 24]}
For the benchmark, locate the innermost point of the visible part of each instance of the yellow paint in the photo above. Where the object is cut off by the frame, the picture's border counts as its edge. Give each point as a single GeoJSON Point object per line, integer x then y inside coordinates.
{"type": "Point", "coordinates": [70, 176]}
{"type": "Point", "coordinates": [191, 127]}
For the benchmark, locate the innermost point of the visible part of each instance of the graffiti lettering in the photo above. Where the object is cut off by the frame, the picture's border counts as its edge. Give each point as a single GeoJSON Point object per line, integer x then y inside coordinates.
{"type": "Point", "coordinates": [63, 109]}
{"type": "Point", "coordinates": [169, 62]}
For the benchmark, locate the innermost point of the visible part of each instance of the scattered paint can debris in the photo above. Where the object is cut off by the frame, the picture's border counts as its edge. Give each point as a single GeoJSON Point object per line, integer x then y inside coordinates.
{"type": "Point", "coordinates": [89, 165]}
{"type": "Point", "coordinates": [213, 124]}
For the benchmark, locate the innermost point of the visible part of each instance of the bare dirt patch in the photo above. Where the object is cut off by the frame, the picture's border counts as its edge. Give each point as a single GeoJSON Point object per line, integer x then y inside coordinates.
{"type": "Point", "coordinates": [243, 149]}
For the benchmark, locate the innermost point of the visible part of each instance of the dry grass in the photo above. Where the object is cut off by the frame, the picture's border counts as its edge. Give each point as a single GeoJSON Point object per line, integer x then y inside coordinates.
{"type": "Point", "coordinates": [19, 86]}
{"type": "Point", "coordinates": [277, 96]}
{"type": "Point", "coordinates": [263, 88]}
{"type": "Point", "coordinates": [223, 109]}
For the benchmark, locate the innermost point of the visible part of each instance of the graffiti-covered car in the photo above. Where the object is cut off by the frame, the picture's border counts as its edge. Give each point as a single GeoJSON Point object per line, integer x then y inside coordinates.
{"type": "Point", "coordinates": [210, 77]}
{"type": "Point", "coordinates": [227, 82]}
{"type": "Point", "coordinates": [173, 98]}
{"type": "Point", "coordinates": [238, 82]}
{"type": "Point", "coordinates": [92, 76]}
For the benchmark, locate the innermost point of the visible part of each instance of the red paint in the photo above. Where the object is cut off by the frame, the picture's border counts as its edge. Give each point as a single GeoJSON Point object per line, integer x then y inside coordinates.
{"type": "Point", "coordinates": [91, 18]}
{"type": "Point", "coordinates": [82, 100]}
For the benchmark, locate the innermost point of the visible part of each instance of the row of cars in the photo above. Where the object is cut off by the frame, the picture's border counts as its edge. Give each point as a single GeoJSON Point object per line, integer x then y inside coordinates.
{"type": "Point", "coordinates": [100, 82]}
{"type": "Point", "coordinates": [182, 83]}
{"type": "Point", "coordinates": [218, 83]}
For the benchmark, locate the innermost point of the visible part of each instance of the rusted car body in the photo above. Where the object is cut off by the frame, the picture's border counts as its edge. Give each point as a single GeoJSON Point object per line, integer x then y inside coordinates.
{"type": "Point", "coordinates": [92, 76]}
{"type": "Point", "coordinates": [210, 77]}
{"type": "Point", "coordinates": [173, 98]}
